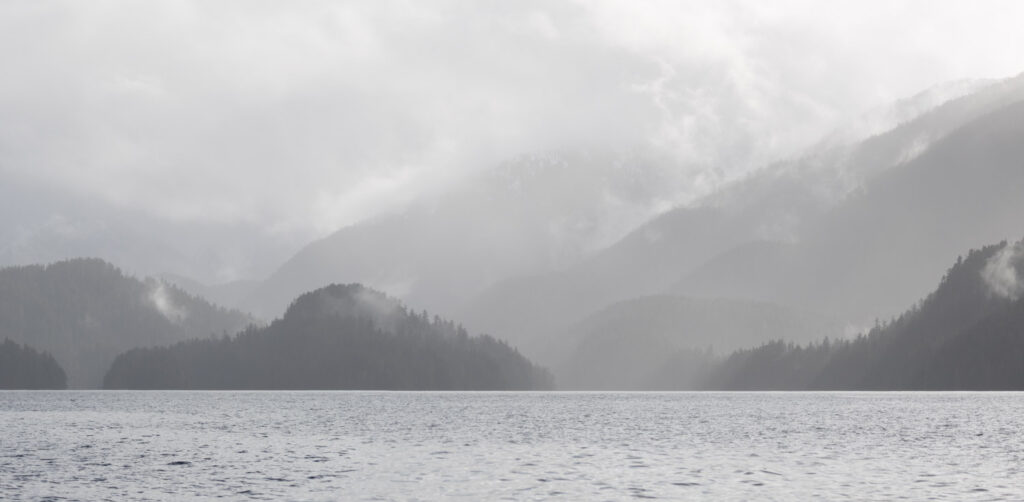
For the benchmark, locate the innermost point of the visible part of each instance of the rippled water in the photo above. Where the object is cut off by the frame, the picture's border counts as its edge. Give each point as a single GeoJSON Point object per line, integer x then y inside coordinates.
{"type": "Point", "coordinates": [517, 446]}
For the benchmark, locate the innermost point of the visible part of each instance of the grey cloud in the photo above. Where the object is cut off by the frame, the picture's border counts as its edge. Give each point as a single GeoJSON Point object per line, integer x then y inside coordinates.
{"type": "Point", "coordinates": [306, 117]}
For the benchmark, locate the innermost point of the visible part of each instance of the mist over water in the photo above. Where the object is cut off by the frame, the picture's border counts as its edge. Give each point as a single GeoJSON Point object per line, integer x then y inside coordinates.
{"type": "Point", "coordinates": [522, 446]}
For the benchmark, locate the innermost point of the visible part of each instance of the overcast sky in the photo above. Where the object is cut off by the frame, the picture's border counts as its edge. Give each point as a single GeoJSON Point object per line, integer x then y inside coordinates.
{"type": "Point", "coordinates": [306, 116]}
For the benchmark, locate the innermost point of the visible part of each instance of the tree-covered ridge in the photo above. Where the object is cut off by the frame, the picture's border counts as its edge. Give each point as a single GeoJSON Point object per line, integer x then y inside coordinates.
{"type": "Point", "coordinates": [967, 334]}
{"type": "Point", "coordinates": [338, 337]}
{"type": "Point", "coordinates": [86, 311]}
{"type": "Point", "coordinates": [23, 367]}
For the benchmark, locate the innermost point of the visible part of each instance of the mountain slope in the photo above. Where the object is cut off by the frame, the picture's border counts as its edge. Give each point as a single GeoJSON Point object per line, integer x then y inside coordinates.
{"type": "Point", "coordinates": [531, 215]}
{"type": "Point", "coordinates": [84, 312]}
{"type": "Point", "coordinates": [685, 251]}
{"type": "Point", "coordinates": [630, 344]}
{"type": "Point", "coordinates": [44, 224]}
{"type": "Point", "coordinates": [338, 337]}
{"type": "Point", "coordinates": [967, 334]}
{"type": "Point", "coordinates": [879, 248]}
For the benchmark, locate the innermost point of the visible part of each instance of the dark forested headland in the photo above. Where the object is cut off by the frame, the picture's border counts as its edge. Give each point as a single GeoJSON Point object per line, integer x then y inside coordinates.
{"type": "Point", "coordinates": [23, 367]}
{"type": "Point", "coordinates": [338, 337]}
{"type": "Point", "coordinates": [967, 334]}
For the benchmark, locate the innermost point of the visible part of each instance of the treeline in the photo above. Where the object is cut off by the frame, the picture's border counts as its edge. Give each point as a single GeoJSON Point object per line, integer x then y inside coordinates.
{"type": "Point", "coordinates": [338, 337]}
{"type": "Point", "coordinates": [23, 367]}
{"type": "Point", "coordinates": [86, 311]}
{"type": "Point", "coordinates": [968, 334]}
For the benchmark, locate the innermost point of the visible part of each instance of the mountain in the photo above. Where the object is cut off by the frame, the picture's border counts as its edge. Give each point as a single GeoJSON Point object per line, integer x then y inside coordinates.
{"type": "Point", "coordinates": [967, 334]}
{"type": "Point", "coordinates": [636, 343]}
{"type": "Point", "coordinates": [224, 293]}
{"type": "Point", "coordinates": [878, 249]}
{"type": "Point", "coordinates": [883, 118]}
{"type": "Point", "coordinates": [44, 224]}
{"type": "Point", "coordinates": [533, 214]}
{"type": "Point", "coordinates": [86, 311]}
{"type": "Point", "coordinates": [22, 367]}
{"type": "Point", "coordinates": [337, 337]}
{"type": "Point", "coordinates": [816, 233]}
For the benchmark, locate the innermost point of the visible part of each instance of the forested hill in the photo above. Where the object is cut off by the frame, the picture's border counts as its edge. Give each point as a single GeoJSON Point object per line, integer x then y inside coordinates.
{"type": "Point", "coordinates": [968, 334]}
{"type": "Point", "coordinates": [85, 311]}
{"type": "Point", "coordinates": [337, 337]}
{"type": "Point", "coordinates": [22, 367]}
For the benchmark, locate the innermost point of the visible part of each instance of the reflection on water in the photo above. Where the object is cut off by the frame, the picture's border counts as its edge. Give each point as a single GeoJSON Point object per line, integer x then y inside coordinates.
{"type": "Point", "coordinates": [518, 446]}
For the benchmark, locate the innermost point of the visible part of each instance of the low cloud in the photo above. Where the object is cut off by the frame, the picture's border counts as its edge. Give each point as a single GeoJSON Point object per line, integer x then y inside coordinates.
{"type": "Point", "coordinates": [1002, 272]}
{"type": "Point", "coordinates": [163, 301]}
{"type": "Point", "coordinates": [306, 117]}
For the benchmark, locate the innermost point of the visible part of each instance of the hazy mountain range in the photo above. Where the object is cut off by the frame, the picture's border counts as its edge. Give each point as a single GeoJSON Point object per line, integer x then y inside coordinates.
{"type": "Point", "coordinates": [533, 214]}
{"type": "Point", "coordinates": [85, 312]}
{"type": "Point", "coordinates": [892, 211]}
{"type": "Point", "coordinates": [587, 262]}
{"type": "Point", "coordinates": [40, 223]}
{"type": "Point", "coordinates": [575, 213]}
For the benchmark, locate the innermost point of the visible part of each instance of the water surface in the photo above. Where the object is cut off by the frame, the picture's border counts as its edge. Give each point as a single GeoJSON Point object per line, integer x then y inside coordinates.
{"type": "Point", "coordinates": [512, 446]}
